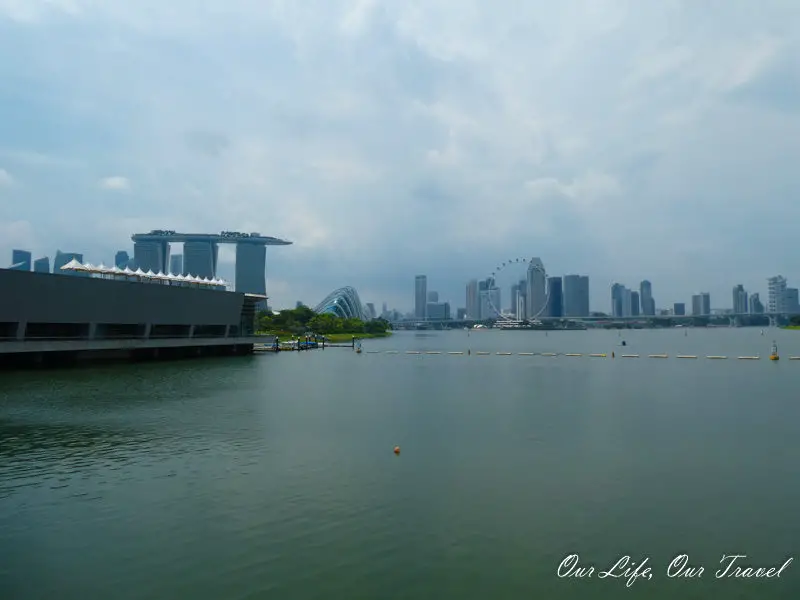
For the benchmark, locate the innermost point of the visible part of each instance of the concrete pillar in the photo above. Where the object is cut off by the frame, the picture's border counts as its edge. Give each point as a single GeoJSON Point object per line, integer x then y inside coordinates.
{"type": "Point", "coordinates": [92, 331]}
{"type": "Point", "coordinates": [21, 326]}
{"type": "Point", "coordinates": [147, 329]}
{"type": "Point", "coordinates": [191, 331]}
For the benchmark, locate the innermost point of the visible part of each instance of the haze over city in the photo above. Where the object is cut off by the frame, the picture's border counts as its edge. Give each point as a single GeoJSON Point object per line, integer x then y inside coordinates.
{"type": "Point", "coordinates": [622, 140]}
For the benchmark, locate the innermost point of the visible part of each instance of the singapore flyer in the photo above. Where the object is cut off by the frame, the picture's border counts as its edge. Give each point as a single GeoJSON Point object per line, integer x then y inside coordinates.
{"type": "Point", "coordinates": [526, 280]}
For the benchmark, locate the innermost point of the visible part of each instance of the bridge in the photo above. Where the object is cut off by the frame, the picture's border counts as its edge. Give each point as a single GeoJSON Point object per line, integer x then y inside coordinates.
{"type": "Point", "coordinates": [733, 320]}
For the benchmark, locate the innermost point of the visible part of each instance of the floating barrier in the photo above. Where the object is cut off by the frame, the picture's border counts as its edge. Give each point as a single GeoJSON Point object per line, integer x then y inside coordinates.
{"type": "Point", "coordinates": [570, 354]}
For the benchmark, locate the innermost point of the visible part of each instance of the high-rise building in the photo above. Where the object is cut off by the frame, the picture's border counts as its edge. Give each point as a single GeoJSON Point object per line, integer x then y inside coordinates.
{"type": "Point", "coordinates": [438, 311]}
{"type": "Point", "coordinates": [701, 304]}
{"type": "Point", "coordinates": [489, 301]}
{"type": "Point", "coordinates": [634, 303]}
{"type": "Point", "coordinates": [646, 298]}
{"type": "Point", "coordinates": [433, 297]}
{"type": "Point", "coordinates": [756, 306]}
{"type": "Point", "coordinates": [555, 297]}
{"type": "Point", "coordinates": [176, 264]}
{"type": "Point", "coordinates": [370, 310]}
{"type": "Point", "coordinates": [151, 255]}
{"type": "Point", "coordinates": [513, 300]}
{"type": "Point", "coordinates": [200, 260]}
{"type": "Point", "coordinates": [420, 296]}
{"type": "Point", "coordinates": [576, 295]}
{"type": "Point", "coordinates": [792, 304]}
{"type": "Point", "coordinates": [461, 314]}
{"type": "Point", "coordinates": [776, 299]}
{"type": "Point", "coordinates": [20, 260]}
{"type": "Point", "coordinates": [617, 300]}
{"type": "Point", "coordinates": [41, 265]}
{"type": "Point", "coordinates": [473, 306]}
{"type": "Point", "coordinates": [679, 309]}
{"type": "Point", "coordinates": [739, 300]}
{"type": "Point", "coordinates": [251, 267]}
{"type": "Point", "coordinates": [122, 259]}
{"type": "Point", "coordinates": [536, 288]}
{"type": "Point", "coordinates": [62, 258]}
{"type": "Point", "coordinates": [520, 307]}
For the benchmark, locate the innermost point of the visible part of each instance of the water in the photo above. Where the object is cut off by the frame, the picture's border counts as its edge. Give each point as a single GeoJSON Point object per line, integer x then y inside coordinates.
{"type": "Point", "coordinates": [273, 476]}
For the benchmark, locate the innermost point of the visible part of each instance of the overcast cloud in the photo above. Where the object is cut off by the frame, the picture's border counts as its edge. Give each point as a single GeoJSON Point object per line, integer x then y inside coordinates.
{"type": "Point", "coordinates": [619, 139]}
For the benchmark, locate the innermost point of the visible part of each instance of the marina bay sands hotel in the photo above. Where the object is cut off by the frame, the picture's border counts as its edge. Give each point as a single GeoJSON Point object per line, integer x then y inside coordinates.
{"type": "Point", "coordinates": [200, 250]}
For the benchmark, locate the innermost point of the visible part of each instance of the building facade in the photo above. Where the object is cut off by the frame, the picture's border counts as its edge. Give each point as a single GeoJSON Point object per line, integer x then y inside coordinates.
{"type": "Point", "coordinates": [420, 296]}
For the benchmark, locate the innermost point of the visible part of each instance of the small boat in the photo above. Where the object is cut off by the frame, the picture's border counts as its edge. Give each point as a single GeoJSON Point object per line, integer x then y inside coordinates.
{"type": "Point", "coordinates": [774, 353]}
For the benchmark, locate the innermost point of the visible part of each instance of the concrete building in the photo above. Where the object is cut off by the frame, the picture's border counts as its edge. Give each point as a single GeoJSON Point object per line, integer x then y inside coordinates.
{"type": "Point", "coordinates": [776, 290]}
{"type": "Point", "coordinates": [576, 295]}
{"type": "Point", "coordinates": [740, 305]}
{"type": "Point", "coordinates": [555, 297]}
{"type": "Point", "coordinates": [756, 306]}
{"type": "Point", "coordinates": [635, 308]}
{"type": "Point", "coordinates": [201, 251]}
{"type": "Point", "coordinates": [62, 258]}
{"type": "Point", "coordinates": [679, 309]}
{"type": "Point", "coordinates": [41, 265]}
{"type": "Point", "coordinates": [536, 289]}
{"type": "Point", "coordinates": [648, 304]}
{"type": "Point", "coordinates": [176, 264]}
{"type": "Point", "coordinates": [701, 304]}
{"type": "Point", "coordinates": [420, 296]}
{"type": "Point", "coordinates": [122, 259]}
{"type": "Point", "coordinates": [792, 304]}
{"type": "Point", "coordinates": [20, 260]}
{"type": "Point", "coordinates": [473, 303]}
{"type": "Point", "coordinates": [438, 311]}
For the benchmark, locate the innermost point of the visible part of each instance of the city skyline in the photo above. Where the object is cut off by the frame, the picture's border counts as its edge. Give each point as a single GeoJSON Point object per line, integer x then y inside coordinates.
{"type": "Point", "coordinates": [403, 140]}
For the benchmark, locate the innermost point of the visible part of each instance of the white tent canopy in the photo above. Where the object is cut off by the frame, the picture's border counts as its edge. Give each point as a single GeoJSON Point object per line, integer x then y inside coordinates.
{"type": "Point", "coordinates": [101, 269]}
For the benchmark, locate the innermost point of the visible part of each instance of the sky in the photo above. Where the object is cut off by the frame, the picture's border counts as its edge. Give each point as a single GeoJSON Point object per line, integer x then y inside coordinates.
{"type": "Point", "coordinates": [623, 140]}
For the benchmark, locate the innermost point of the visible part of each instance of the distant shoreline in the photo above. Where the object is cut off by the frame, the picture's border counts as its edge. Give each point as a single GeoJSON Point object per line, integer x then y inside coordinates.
{"type": "Point", "coordinates": [332, 337]}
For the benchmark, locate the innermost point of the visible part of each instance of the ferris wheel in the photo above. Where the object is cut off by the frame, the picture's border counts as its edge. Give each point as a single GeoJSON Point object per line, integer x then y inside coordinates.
{"type": "Point", "coordinates": [519, 268]}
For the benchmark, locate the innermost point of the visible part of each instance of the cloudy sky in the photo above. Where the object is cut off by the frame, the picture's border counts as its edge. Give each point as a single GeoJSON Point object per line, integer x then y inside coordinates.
{"type": "Point", "coordinates": [619, 139]}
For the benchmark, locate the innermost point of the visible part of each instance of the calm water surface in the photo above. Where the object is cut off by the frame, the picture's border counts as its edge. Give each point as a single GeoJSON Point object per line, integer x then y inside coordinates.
{"type": "Point", "coordinates": [273, 476]}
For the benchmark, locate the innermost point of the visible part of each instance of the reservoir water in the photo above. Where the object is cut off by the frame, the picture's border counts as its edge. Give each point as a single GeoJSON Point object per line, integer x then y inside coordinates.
{"type": "Point", "coordinates": [274, 476]}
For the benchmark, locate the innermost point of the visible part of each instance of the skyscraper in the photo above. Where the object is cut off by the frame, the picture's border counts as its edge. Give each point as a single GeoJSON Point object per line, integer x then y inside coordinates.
{"type": "Point", "coordinates": [739, 300]}
{"type": "Point", "coordinates": [576, 295]}
{"type": "Point", "coordinates": [701, 304]}
{"type": "Point", "coordinates": [536, 291]}
{"type": "Point", "coordinates": [151, 255]}
{"type": "Point", "coordinates": [555, 297]}
{"type": "Point", "coordinates": [679, 309]}
{"type": "Point", "coordinates": [776, 299]}
{"type": "Point", "coordinates": [176, 264]}
{"type": "Point", "coordinates": [122, 259]}
{"type": "Point", "coordinates": [20, 260]}
{"type": "Point", "coordinates": [756, 306]}
{"type": "Point", "coordinates": [63, 258]}
{"type": "Point", "coordinates": [634, 303]}
{"type": "Point", "coordinates": [41, 265]}
{"type": "Point", "coordinates": [200, 260]}
{"type": "Point", "coordinates": [617, 300]}
{"type": "Point", "coordinates": [420, 296]}
{"type": "Point", "coordinates": [646, 298]}
{"type": "Point", "coordinates": [473, 310]}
